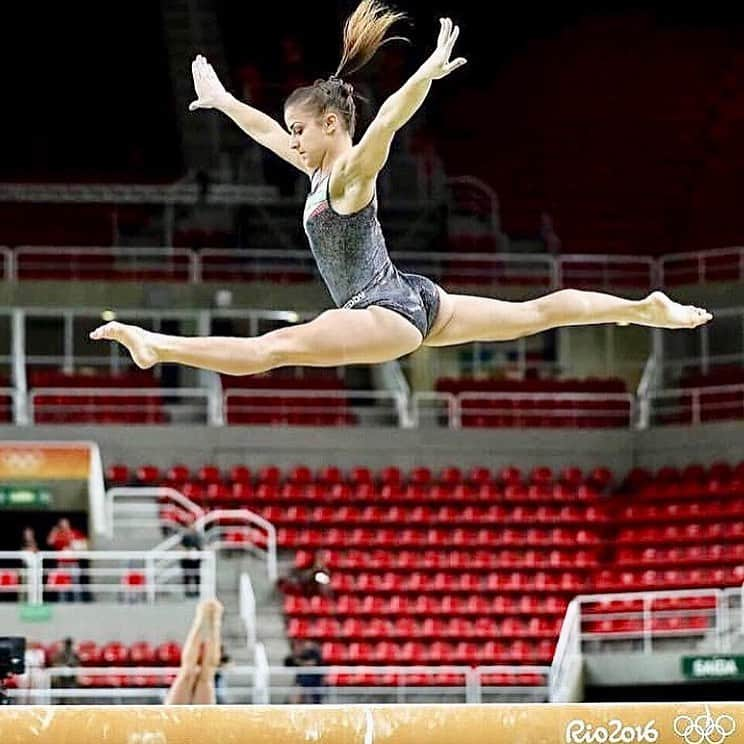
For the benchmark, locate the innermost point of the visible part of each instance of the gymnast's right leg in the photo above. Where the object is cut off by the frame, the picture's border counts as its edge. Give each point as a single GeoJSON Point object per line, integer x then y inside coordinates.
{"type": "Point", "coordinates": [335, 337]}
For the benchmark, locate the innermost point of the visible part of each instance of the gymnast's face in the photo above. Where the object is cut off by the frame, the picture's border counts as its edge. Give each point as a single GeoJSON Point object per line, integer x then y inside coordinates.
{"type": "Point", "coordinates": [309, 133]}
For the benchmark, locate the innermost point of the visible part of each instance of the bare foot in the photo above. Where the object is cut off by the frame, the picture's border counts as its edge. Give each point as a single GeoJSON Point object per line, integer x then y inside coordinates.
{"type": "Point", "coordinates": [137, 340]}
{"type": "Point", "coordinates": [212, 608]}
{"type": "Point", "coordinates": [659, 311]}
{"type": "Point", "coordinates": [211, 618]}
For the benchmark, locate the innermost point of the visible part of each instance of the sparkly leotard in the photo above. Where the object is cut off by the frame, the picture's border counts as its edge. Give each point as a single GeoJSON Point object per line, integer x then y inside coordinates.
{"type": "Point", "coordinates": [354, 263]}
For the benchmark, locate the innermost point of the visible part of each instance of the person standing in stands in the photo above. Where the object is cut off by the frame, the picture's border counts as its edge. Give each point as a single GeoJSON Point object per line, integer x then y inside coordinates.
{"type": "Point", "coordinates": [66, 656]}
{"type": "Point", "coordinates": [191, 543]}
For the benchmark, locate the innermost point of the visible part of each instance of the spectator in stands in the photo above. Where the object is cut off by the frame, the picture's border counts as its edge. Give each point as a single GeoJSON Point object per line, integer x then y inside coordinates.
{"type": "Point", "coordinates": [200, 658]}
{"type": "Point", "coordinates": [309, 655]}
{"type": "Point", "coordinates": [66, 656]}
{"type": "Point", "coordinates": [219, 684]}
{"type": "Point", "coordinates": [316, 579]}
{"type": "Point", "coordinates": [28, 540]}
{"type": "Point", "coordinates": [191, 542]}
{"type": "Point", "coordinates": [62, 535]}
{"type": "Point", "coordinates": [62, 538]}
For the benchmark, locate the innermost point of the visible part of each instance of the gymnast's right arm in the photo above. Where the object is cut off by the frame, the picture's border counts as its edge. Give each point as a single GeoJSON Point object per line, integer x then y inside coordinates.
{"type": "Point", "coordinates": [262, 128]}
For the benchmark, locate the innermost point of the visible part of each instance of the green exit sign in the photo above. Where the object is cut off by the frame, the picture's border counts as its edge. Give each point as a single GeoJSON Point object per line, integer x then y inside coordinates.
{"type": "Point", "coordinates": [713, 667]}
{"type": "Point", "coordinates": [19, 498]}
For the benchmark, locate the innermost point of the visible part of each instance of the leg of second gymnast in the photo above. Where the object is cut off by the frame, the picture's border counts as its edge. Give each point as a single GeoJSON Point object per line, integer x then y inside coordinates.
{"type": "Point", "coordinates": [200, 657]}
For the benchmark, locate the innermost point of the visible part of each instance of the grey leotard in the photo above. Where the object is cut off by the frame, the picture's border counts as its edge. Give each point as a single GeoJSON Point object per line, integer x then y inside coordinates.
{"type": "Point", "coordinates": [354, 263]}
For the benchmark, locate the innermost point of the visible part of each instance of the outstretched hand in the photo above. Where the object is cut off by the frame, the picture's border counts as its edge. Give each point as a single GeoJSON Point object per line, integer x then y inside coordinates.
{"type": "Point", "coordinates": [210, 92]}
{"type": "Point", "coordinates": [438, 65]}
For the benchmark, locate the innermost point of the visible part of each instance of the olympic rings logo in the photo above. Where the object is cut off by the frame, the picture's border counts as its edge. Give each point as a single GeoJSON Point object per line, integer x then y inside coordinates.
{"type": "Point", "coordinates": [704, 729]}
{"type": "Point", "coordinates": [23, 460]}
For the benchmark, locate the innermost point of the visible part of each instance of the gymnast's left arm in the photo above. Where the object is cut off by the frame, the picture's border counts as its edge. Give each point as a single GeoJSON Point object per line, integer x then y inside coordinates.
{"type": "Point", "coordinates": [369, 156]}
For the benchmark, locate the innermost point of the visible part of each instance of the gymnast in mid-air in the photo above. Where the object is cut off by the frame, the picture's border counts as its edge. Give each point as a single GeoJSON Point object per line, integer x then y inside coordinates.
{"type": "Point", "coordinates": [381, 313]}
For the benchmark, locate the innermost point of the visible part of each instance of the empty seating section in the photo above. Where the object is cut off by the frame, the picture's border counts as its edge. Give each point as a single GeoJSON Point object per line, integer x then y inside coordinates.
{"type": "Point", "coordinates": [631, 147]}
{"type": "Point", "coordinates": [57, 407]}
{"type": "Point", "coordinates": [315, 399]}
{"type": "Point", "coordinates": [542, 403]}
{"type": "Point", "coordinates": [724, 400]}
{"type": "Point", "coordinates": [476, 566]}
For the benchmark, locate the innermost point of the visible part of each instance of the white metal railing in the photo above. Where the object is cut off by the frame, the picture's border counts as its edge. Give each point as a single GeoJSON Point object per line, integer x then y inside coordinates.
{"type": "Point", "coordinates": [110, 263]}
{"type": "Point", "coordinates": [138, 507]}
{"type": "Point", "coordinates": [605, 270]}
{"type": "Point", "coordinates": [702, 266]}
{"type": "Point", "coordinates": [265, 684]}
{"type": "Point", "coordinates": [221, 526]}
{"type": "Point", "coordinates": [236, 265]}
{"type": "Point", "coordinates": [115, 193]}
{"type": "Point", "coordinates": [116, 575]}
{"type": "Point", "coordinates": [104, 405]}
{"type": "Point", "coordinates": [291, 406]}
{"type": "Point", "coordinates": [248, 609]}
{"type": "Point", "coordinates": [695, 404]}
{"type": "Point", "coordinates": [262, 678]}
{"type": "Point", "coordinates": [566, 666]}
{"type": "Point", "coordinates": [648, 617]}
{"type": "Point", "coordinates": [22, 577]}
{"type": "Point", "coordinates": [645, 386]}
{"type": "Point", "coordinates": [210, 264]}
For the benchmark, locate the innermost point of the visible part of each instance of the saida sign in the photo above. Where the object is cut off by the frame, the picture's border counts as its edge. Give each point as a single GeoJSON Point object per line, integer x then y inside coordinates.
{"type": "Point", "coordinates": [713, 667]}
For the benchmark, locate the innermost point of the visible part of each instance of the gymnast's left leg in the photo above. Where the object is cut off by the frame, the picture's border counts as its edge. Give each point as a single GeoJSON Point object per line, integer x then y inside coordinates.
{"type": "Point", "coordinates": [465, 318]}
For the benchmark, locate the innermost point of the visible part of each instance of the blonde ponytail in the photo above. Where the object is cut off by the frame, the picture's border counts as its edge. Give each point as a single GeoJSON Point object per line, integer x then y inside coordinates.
{"type": "Point", "coordinates": [364, 34]}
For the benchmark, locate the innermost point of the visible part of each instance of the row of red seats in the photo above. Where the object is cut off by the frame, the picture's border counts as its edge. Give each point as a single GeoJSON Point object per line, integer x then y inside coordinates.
{"type": "Point", "coordinates": [565, 422]}
{"type": "Point", "coordinates": [115, 653]}
{"type": "Point", "coordinates": [417, 581]}
{"type": "Point", "coordinates": [680, 534]}
{"type": "Point", "coordinates": [685, 511]}
{"type": "Point", "coordinates": [485, 560]}
{"type": "Point", "coordinates": [48, 378]}
{"type": "Point", "coordinates": [425, 516]}
{"type": "Point", "coordinates": [629, 581]}
{"type": "Point", "coordinates": [321, 496]}
{"type": "Point", "coordinates": [694, 555]}
{"type": "Point", "coordinates": [689, 490]}
{"type": "Point", "coordinates": [442, 679]}
{"type": "Point", "coordinates": [657, 625]}
{"type": "Point", "coordinates": [640, 477]}
{"type": "Point", "coordinates": [278, 418]}
{"type": "Point", "coordinates": [424, 605]}
{"type": "Point", "coordinates": [608, 606]}
{"type": "Point", "coordinates": [439, 652]}
{"type": "Point", "coordinates": [362, 537]}
{"type": "Point", "coordinates": [571, 477]}
{"type": "Point", "coordinates": [378, 628]}
{"type": "Point", "coordinates": [457, 385]}
{"type": "Point", "coordinates": [50, 413]}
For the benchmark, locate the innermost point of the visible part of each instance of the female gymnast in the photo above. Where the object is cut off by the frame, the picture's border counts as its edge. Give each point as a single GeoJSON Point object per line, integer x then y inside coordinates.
{"type": "Point", "coordinates": [382, 313]}
{"type": "Point", "coordinates": [200, 657]}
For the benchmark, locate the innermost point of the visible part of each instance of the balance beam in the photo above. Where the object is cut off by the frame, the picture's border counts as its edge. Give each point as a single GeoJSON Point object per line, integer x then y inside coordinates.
{"type": "Point", "coordinates": [539, 723]}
